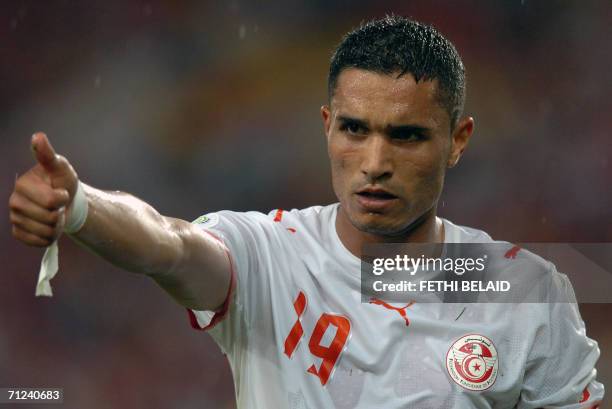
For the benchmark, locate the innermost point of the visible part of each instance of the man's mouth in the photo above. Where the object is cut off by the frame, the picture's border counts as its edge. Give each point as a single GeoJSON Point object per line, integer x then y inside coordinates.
{"type": "Point", "coordinates": [375, 199]}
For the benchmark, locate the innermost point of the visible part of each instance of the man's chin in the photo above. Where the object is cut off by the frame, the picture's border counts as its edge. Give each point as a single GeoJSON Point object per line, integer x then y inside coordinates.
{"type": "Point", "coordinates": [377, 224]}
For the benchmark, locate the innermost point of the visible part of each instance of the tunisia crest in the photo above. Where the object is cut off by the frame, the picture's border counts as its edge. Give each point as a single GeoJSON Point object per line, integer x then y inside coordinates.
{"type": "Point", "coordinates": [472, 362]}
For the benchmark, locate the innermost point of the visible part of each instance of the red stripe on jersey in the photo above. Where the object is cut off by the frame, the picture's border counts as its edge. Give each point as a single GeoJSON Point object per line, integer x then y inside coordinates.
{"type": "Point", "coordinates": [512, 252]}
{"type": "Point", "coordinates": [279, 215]}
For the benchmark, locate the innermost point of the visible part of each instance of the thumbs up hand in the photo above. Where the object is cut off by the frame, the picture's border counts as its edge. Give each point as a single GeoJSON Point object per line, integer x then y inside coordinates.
{"type": "Point", "coordinates": [41, 199]}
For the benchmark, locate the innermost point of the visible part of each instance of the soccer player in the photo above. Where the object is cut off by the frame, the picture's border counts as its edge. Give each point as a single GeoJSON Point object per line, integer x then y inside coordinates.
{"type": "Point", "coordinates": [280, 293]}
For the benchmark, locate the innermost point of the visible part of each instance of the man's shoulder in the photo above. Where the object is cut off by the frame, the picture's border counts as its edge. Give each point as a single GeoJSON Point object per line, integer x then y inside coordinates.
{"type": "Point", "coordinates": [309, 218]}
{"type": "Point", "coordinates": [455, 233]}
{"type": "Point", "coordinates": [521, 265]}
{"type": "Point", "coordinates": [313, 214]}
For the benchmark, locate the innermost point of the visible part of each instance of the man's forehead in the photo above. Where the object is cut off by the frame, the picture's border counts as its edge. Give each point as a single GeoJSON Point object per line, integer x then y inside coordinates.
{"type": "Point", "coordinates": [364, 93]}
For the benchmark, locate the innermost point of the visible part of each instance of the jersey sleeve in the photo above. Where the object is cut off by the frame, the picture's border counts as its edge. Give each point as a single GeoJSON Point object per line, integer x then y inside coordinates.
{"type": "Point", "coordinates": [560, 371]}
{"type": "Point", "coordinates": [247, 237]}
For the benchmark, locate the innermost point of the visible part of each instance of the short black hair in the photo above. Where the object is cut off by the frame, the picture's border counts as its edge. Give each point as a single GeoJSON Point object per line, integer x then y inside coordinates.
{"type": "Point", "coordinates": [398, 44]}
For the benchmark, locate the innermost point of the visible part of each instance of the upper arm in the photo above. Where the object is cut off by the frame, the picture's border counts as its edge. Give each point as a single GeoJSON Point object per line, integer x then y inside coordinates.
{"type": "Point", "coordinates": [561, 370]}
{"type": "Point", "coordinates": [198, 276]}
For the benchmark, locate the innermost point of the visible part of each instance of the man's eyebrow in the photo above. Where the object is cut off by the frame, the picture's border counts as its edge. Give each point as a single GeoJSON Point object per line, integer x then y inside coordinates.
{"type": "Point", "coordinates": [404, 128]}
{"type": "Point", "coordinates": [360, 122]}
{"type": "Point", "coordinates": [408, 128]}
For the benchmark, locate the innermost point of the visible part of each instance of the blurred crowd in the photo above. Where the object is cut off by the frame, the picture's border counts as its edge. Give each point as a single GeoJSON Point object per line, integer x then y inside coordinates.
{"type": "Point", "coordinates": [200, 106]}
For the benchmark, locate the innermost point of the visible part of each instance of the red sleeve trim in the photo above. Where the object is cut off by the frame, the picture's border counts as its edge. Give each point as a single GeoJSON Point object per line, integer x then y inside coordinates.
{"type": "Point", "coordinates": [222, 312]}
{"type": "Point", "coordinates": [585, 395]}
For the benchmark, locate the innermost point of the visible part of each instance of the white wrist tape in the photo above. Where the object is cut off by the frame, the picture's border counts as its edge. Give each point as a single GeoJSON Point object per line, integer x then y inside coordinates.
{"type": "Point", "coordinates": [78, 212]}
{"type": "Point", "coordinates": [49, 264]}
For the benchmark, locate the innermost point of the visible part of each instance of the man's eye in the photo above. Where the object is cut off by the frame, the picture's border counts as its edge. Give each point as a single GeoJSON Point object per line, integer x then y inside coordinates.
{"type": "Point", "coordinates": [408, 136]}
{"type": "Point", "coordinates": [352, 128]}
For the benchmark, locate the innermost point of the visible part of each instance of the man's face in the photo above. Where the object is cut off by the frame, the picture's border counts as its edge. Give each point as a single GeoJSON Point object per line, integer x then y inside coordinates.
{"type": "Point", "coordinates": [389, 142]}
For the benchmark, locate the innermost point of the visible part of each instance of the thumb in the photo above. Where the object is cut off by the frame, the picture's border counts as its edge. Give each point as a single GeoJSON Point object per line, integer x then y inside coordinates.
{"type": "Point", "coordinates": [44, 152]}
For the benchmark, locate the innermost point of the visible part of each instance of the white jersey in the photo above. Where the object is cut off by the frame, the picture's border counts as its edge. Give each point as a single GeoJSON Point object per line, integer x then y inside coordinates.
{"type": "Point", "coordinates": [297, 335]}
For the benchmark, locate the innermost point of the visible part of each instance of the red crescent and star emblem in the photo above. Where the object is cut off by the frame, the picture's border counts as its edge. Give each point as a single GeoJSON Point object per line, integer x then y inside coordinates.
{"type": "Point", "coordinates": [472, 362]}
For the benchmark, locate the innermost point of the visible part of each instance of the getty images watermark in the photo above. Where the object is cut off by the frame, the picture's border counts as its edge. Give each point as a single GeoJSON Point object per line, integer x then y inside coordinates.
{"type": "Point", "coordinates": [427, 265]}
{"type": "Point", "coordinates": [489, 272]}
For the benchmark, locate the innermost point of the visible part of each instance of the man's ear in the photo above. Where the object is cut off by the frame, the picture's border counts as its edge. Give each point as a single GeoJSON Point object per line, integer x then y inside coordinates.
{"type": "Point", "coordinates": [459, 139]}
{"type": "Point", "coordinates": [326, 115]}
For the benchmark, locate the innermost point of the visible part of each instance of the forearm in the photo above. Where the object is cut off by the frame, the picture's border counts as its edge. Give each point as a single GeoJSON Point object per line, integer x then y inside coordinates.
{"type": "Point", "coordinates": [191, 266]}
{"type": "Point", "coordinates": [128, 232]}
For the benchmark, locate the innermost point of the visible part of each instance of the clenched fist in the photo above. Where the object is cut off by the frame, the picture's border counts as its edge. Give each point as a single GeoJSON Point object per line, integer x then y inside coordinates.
{"type": "Point", "coordinates": [42, 196]}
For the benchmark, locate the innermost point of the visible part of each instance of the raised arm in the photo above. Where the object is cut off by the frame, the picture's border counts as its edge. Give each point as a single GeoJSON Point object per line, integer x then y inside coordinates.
{"type": "Point", "coordinates": [190, 265]}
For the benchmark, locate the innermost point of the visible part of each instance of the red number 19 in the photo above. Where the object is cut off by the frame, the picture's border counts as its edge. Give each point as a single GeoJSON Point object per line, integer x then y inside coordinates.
{"type": "Point", "coordinates": [329, 354]}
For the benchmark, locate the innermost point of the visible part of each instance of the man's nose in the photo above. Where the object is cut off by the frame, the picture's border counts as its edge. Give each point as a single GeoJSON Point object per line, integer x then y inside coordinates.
{"type": "Point", "coordinates": [377, 161]}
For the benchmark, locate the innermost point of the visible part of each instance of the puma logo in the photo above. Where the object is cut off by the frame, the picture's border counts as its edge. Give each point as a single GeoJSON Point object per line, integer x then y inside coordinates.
{"type": "Point", "coordinates": [401, 311]}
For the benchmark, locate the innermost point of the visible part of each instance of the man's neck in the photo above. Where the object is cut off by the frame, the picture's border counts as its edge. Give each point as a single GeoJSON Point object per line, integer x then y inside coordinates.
{"type": "Point", "coordinates": [428, 229]}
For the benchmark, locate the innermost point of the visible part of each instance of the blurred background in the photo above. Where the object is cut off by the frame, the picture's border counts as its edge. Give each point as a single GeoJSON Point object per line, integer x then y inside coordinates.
{"type": "Point", "coordinates": [200, 106]}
